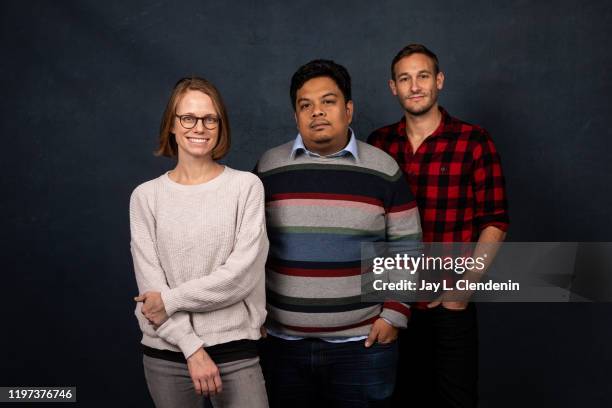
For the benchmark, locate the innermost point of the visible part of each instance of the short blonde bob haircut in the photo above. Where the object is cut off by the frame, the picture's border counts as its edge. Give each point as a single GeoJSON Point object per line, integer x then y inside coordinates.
{"type": "Point", "coordinates": [167, 141]}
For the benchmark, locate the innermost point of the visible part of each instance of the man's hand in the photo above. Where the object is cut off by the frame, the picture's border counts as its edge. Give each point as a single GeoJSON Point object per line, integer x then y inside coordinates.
{"type": "Point", "coordinates": [263, 331]}
{"type": "Point", "coordinates": [204, 373]}
{"type": "Point", "coordinates": [381, 332]}
{"type": "Point", "coordinates": [153, 308]}
{"type": "Point", "coordinates": [487, 246]}
{"type": "Point", "coordinates": [448, 304]}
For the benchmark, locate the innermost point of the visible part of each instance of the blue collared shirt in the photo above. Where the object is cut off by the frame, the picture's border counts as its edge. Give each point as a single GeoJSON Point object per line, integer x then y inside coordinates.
{"type": "Point", "coordinates": [350, 148]}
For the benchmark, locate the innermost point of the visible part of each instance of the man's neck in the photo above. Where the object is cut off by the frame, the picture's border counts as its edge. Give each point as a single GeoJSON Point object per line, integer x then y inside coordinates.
{"type": "Point", "coordinates": [418, 127]}
{"type": "Point", "coordinates": [328, 149]}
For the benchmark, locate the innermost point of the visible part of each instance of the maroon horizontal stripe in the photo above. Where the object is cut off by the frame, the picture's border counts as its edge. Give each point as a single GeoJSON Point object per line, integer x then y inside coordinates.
{"type": "Point", "coordinates": [402, 207]}
{"type": "Point", "coordinates": [398, 307]}
{"type": "Point", "coordinates": [316, 273]}
{"type": "Point", "coordinates": [331, 329]}
{"type": "Point", "coordinates": [326, 196]}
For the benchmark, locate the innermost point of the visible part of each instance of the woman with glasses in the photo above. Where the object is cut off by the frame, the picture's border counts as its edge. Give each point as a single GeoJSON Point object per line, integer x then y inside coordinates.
{"type": "Point", "coordinates": [199, 247]}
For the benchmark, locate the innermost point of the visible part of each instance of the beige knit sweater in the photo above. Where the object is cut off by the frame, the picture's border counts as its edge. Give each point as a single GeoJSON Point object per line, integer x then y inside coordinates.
{"type": "Point", "coordinates": [204, 247]}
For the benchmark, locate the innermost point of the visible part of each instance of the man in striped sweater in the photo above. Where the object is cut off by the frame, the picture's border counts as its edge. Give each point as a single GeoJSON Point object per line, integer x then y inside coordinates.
{"type": "Point", "coordinates": [326, 193]}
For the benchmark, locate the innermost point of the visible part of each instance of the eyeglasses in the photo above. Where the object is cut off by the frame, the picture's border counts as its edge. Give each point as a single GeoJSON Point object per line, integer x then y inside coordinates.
{"type": "Point", "coordinates": [210, 122]}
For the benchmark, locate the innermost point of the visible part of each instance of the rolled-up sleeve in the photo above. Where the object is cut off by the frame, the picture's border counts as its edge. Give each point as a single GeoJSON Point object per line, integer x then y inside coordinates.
{"type": "Point", "coordinates": [491, 204]}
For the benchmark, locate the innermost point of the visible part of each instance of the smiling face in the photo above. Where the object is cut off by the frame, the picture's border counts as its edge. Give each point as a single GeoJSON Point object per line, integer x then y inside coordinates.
{"type": "Point", "coordinates": [415, 84]}
{"type": "Point", "coordinates": [199, 141]}
{"type": "Point", "coordinates": [322, 115]}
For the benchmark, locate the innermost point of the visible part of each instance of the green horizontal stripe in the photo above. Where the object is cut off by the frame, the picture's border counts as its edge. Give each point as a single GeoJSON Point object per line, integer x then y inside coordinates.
{"type": "Point", "coordinates": [327, 230]}
{"type": "Point", "coordinates": [327, 167]}
{"type": "Point", "coordinates": [410, 237]}
{"type": "Point", "coordinates": [313, 301]}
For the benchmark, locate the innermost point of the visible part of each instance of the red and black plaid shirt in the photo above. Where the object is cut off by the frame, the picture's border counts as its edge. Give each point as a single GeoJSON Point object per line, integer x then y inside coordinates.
{"type": "Point", "coordinates": [455, 175]}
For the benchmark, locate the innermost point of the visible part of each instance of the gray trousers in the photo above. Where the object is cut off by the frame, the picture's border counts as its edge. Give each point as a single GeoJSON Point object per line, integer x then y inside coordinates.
{"type": "Point", "coordinates": [171, 387]}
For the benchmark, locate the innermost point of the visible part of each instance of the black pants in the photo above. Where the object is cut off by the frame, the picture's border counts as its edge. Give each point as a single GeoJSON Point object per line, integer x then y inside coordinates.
{"type": "Point", "coordinates": [438, 359]}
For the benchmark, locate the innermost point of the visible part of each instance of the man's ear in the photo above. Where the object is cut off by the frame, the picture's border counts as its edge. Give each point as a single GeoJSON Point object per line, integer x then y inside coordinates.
{"type": "Point", "coordinates": [440, 81]}
{"type": "Point", "coordinates": [393, 87]}
{"type": "Point", "coordinates": [349, 111]}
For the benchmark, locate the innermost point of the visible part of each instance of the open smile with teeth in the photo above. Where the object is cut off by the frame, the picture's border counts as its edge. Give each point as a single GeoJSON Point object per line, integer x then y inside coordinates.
{"type": "Point", "coordinates": [198, 139]}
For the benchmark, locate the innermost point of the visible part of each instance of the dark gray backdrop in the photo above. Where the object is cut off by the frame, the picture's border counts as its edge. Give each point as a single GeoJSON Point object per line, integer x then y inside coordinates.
{"type": "Point", "coordinates": [83, 88]}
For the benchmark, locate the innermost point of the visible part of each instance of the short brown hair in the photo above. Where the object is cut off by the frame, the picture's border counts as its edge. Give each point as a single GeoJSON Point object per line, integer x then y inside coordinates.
{"type": "Point", "coordinates": [414, 49]}
{"type": "Point", "coordinates": [167, 141]}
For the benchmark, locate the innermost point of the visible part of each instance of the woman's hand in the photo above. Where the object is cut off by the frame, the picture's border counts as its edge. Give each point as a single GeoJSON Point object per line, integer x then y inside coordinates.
{"type": "Point", "coordinates": [204, 373]}
{"type": "Point", "coordinates": [153, 308]}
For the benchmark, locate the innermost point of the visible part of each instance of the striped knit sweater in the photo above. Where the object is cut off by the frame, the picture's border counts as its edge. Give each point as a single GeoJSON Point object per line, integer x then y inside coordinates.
{"type": "Point", "coordinates": [318, 212]}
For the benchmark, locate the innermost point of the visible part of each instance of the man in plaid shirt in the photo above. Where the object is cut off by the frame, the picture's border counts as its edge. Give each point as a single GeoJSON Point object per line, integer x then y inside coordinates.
{"type": "Point", "coordinates": [455, 173]}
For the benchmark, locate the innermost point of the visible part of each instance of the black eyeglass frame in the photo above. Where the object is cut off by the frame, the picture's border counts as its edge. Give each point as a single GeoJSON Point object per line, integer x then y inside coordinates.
{"type": "Point", "coordinates": [198, 118]}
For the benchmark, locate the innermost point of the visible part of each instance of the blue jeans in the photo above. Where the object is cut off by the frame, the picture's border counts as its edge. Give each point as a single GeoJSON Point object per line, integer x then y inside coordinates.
{"type": "Point", "coordinates": [315, 373]}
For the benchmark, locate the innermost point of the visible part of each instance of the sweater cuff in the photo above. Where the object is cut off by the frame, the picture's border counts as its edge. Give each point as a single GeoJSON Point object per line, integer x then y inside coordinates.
{"type": "Point", "coordinates": [185, 339]}
{"type": "Point", "coordinates": [396, 313]}
{"type": "Point", "coordinates": [170, 297]}
{"type": "Point", "coordinates": [190, 344]}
